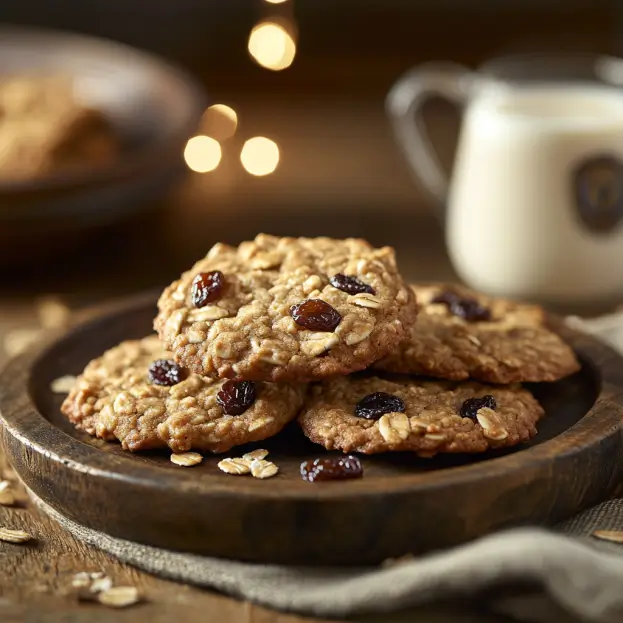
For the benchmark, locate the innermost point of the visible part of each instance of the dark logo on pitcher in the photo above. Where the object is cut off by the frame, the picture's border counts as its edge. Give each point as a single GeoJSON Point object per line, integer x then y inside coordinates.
{"type": "Point", "coordinates": [598, 184]}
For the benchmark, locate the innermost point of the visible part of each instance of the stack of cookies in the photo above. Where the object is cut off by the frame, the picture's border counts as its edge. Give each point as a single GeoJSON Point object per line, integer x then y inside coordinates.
{"type": "Point", "coordinates": [325, 330]}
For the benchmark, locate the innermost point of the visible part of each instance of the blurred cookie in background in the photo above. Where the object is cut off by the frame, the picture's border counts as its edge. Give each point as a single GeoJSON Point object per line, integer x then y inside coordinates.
{"type": "Point", "coordinates": [45, 128]}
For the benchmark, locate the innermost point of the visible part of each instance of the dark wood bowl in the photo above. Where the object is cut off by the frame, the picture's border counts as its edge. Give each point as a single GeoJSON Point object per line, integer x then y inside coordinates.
{"type": "Point", "coordinates": [403, 504]}
{"type": "Point", "coordinates": [154, 107]}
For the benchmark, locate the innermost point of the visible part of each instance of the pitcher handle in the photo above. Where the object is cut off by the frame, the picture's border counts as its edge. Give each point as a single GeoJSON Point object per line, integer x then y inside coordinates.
{"type": "Point", "coordinates": [404, 108]}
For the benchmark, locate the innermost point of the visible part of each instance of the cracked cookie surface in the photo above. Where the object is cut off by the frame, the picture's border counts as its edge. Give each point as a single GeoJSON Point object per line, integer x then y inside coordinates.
{"type": "Point", "coordinates": [286, 309]}
{"type": "Point", "coordinates": [429, 419]}
{"type": "Point", "coordinates": [512, 344]}
{"type": "Point", "coordinates": [116, 397]}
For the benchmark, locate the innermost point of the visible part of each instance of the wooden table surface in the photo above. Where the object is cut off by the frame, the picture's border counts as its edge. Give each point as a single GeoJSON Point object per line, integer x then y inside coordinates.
{"type": "Point", "coordinates": [148, 253]}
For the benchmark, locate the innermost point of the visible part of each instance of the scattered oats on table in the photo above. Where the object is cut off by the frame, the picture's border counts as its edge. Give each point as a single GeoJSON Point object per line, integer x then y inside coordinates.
{"type": "Point", "coordinates": [255, 454]}
{"type": "Point", "coordinates": [614, 536]}
{"type": "Point", "coordinates": [250, 463]}
{"type": "Point", "coordinates": [7, 495]}
{"type": "Point", "coordinates": [82, 579]}
{"type": "Point", "coordinates": [263, 469]}
{"type": "Point", "coordinates": [89, 585]}
{"type": "Point", "coordinates": [14, 536]}
{"type": "Point", "coordinates": [236, 466]}
{"type": "Point", "coordinates": [186, 459]}
{"type": "Point", "coordinates": [119, 597]}
{"type": "Point", "coordinates": [99, 585]}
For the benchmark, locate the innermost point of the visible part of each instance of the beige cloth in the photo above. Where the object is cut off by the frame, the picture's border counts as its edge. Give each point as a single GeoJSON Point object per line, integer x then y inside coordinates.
{"type": "Point", "coordinates": [532, 575]}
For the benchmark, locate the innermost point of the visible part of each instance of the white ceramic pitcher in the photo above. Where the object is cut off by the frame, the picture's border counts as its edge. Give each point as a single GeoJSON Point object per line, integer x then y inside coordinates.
{"type": "Point", "coordinates": [534, 209]}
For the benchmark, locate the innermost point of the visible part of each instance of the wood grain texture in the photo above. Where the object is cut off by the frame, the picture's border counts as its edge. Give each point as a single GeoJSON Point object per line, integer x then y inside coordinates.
{"type": "Point", "coordinates": [401, 505]}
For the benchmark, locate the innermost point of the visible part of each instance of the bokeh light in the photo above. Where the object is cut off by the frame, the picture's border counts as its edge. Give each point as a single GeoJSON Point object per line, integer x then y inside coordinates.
{"type": "Point", "coordinates": [260, 155]}
{"type": "Point", "coordinates": [272, 46]}
{"type": "Point", "coordinates": [275, 1]}
{"type": "Point", "coordinates": [219, 121]}
{"type": "Point", "coordinates": [202, 154]}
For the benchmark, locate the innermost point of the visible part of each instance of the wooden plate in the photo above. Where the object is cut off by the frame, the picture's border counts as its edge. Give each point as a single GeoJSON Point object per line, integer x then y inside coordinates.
{"type": "Point", "coordinates": [403, 504]}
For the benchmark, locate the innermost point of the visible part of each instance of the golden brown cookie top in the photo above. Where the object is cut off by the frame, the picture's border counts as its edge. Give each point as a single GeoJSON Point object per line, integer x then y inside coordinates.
{"type": "Point", "coordinates": [286, 309]}
{"type": "Point", "coordinates": [136, 393]}
{"type": "Point", "coordinates": [461, 334]}
{"type": "Point", "coordinates": [370, 414]}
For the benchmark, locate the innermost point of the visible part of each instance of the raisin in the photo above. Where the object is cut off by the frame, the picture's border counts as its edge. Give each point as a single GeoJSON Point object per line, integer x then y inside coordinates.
{"type": "Point", "coordinates": [472, 311]}
{"type": "Point", "coordinates": [315, 315]}
{"type": "Point", "coordinates": [207, 287]}
{"type": "Point", "coordinates": [235, 397]}
{"type": "Point", "coordinates": [448, 298]}
{"type": "Point", "coordinates": [470, 407]}
{"type": "Point", "coordinates": [350, 285]}
{"type": "Point", "coordinates": [331, 468]}
{"type": "Point", "coordinates": [373, 406]}
{"type": "Point", "coordinates": [467, 308]}
{"type": "Point", "coordinates": [166, 372]}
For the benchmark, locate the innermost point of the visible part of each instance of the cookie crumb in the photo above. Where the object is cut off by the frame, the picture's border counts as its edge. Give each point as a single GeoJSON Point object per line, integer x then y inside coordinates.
{"type": "Point", "coordinates": [186, 459]}
{"type": "Point", "coordinates": [63, 384]}
{"type": "Point", "coordinates": [119, 597]}
{"type": "Point", "coordinates": [14, 536]}
{"type": "Point", "coordinates": [263, 469]}
{"type": "Point", "coordinates": [237, 467]}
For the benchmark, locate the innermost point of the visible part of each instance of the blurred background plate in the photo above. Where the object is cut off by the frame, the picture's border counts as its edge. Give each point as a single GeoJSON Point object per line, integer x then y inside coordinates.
{"type": "Point", "coordinates": [154, 107]}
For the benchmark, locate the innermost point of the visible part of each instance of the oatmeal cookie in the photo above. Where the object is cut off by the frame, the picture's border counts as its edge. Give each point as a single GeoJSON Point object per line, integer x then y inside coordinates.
{"type": "Point", "coordinates": [135, 393]}
{"type": "Point", "coordinates": [371, 414]}
{"type": "Point", "coordinates": [286, 309]}
{"type": "Point", "coordinates": [44, 129]}
{"type": "Point", "coordinates": [461, 334]}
